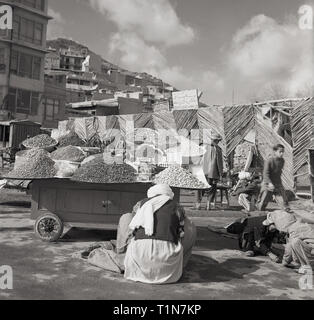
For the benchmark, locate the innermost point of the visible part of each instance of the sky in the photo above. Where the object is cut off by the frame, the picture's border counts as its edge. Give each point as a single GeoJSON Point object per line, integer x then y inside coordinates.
{"type": "Point", "coordinates": [234, 51]}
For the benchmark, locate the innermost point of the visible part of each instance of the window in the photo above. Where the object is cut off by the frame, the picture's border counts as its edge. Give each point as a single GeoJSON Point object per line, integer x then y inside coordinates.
{"type": "Point", "coordinates": [36, 68]}
{"type": "Point", "coordinates": [12, 99]}
{"type": "Point", "coordinates": [4, 33]}
{"type": "Point", "coordinates": [2, 60]}
{"type": "Point", "coordinates": [16, 27]}
{"type": "Point", "coordinates": [56, 107]}
{"type": "Point", "coordinates": [34, 103]}
{"type": "Point", "coordinates": [52, 109]}
{"type": "Point", "coordinates": [27, 30]}
{"type": "Point", "coordinates": [38, 33]}
{"type": "Point", "coordinates": [14, 62]}
{"type": "Point", "coordinates": [23, 101]}
{"type": "Point", "coordinates": [25, 65]}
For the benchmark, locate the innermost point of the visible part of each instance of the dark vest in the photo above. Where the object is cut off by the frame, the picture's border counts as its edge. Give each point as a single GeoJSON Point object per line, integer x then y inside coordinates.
{"type": "Point", "coordinates": [166, 224]}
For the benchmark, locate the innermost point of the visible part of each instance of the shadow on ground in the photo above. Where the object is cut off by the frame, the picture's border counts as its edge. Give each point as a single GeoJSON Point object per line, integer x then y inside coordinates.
{"type": "Point", "coordinates": [206, 270]}
{"type": "Point", "coordinates": [88, 235]}
{"type": "Point", "coordinates": [207, 240]}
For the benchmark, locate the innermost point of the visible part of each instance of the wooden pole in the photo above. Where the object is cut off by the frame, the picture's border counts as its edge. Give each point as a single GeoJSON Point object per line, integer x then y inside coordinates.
{"type": "Point", "coordinates": [311, 169]}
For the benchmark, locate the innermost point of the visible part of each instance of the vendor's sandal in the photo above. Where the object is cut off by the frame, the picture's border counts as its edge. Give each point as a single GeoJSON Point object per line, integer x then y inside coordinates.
{"type": "Point", "coordinates": [294, 265]}
{"type": "Point", "coordinates": [85, 255]}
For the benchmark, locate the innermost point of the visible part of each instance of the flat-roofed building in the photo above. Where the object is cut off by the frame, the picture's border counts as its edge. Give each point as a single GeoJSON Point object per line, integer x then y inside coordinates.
{"type": "Point", "coordinates": [22, 59]}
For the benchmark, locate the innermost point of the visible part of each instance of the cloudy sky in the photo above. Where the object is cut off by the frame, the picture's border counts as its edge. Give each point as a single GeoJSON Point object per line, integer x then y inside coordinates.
{"type": "Point", "coordinates": [232, 50]}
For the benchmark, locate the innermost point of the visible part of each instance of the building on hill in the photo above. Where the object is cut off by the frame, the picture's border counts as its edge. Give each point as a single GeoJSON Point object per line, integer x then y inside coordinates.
{"type": "Point", "coordinates": [72, 59]}
{"type": "Point", "coordinates": [22, 59]}
{"type": "Point", "coordinates": [52, 60]}
{"type": "Point", "coordinates": [81, 86]}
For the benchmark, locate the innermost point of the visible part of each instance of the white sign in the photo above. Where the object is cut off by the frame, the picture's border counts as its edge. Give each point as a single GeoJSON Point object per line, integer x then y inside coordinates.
{"type": "Point", "coordinates": [183, 100]}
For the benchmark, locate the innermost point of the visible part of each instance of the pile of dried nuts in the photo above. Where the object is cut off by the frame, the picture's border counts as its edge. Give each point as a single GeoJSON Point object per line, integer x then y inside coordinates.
{"type": "Point", "coordinates": [71, 139]}
{"type": "Point", "coordinates": [37, 165]}
{"type": "Point", "coordinates": [68, 153]}
{"type": "Point", "coordinates": [177, 177]}
{"type": "Point", "coordinates": [97, 171]}
{"type": "Point", "coordinates": [40, 141]}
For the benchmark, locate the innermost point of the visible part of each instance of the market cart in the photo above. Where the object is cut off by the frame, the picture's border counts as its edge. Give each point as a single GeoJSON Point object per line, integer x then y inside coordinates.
{"type": "Point", "coordinates": [56, 202]}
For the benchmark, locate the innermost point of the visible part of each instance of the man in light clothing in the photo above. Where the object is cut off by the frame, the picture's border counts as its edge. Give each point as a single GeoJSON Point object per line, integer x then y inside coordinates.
{"type": "Point", "coordinates": [213, 168]}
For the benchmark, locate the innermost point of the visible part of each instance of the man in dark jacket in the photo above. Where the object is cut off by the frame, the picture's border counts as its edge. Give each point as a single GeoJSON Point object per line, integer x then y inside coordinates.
{"type": "Point", "coordinates": [257, 238]}
{"type": "Point", "coordinates": [272, 184]}
{"type": "Point", "coordinates": [213, 168]}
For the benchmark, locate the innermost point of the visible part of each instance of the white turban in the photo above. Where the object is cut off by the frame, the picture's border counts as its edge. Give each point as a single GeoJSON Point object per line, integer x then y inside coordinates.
{"type": "Point", "coordinates": [160, 189]}
{"type": "Point", "coordinates": [160, 194]}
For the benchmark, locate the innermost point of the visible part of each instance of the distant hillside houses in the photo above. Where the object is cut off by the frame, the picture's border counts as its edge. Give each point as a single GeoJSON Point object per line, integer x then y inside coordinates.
{"type": "Point", "coordinates": [89, 77]}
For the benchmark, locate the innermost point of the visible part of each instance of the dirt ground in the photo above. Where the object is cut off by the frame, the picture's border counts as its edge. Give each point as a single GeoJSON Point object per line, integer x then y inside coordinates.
{"type": "Point", "coordinates": [217, 269]}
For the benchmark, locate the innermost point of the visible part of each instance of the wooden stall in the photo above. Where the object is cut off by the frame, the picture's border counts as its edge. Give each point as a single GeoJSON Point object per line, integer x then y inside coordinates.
{"type": "Point", "coordinates": [12, 133]}
{"type": "Point", "coordinates": [302, 126]}
{"type": "Point", "coordinates": [86, 205]}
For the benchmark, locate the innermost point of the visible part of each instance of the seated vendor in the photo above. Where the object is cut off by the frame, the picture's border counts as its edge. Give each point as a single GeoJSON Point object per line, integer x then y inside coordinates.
{"type": "Point", "coordinates": [298, 254]}
{"type": "Point", "coordinates": [299, 250]}
{"type": "Point", "coordinates": [163, 239]}
{"type": "Point", "coordinates": [247, 191]}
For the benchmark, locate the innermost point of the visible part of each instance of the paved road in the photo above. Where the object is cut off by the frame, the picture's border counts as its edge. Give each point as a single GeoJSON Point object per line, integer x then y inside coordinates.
{"type": "Point", "coordinates": [217, 270]}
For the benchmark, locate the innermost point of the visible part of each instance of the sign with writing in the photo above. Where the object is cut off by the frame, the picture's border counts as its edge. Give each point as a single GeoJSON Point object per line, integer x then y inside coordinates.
{"type": "Point", "coordinates": [187, 99]}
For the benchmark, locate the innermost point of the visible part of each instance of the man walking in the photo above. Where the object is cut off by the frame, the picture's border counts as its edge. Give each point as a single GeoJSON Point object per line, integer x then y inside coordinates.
{"type": "Point", "coordinates": [213, 168]}
{"type": "Point", "coordinates": [272, 184]}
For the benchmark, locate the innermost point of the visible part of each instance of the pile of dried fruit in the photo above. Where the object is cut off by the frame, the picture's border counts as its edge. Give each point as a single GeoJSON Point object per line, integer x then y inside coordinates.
{"type": "Point", "coordinates": [97, 171]}
{"type": "Point", "coordinates": [71, 139]}
{"type": "Point", "coordinates": [40, 141]}
{"type": "Point", "coordinates": [37, 165]}
{"type": "Point", "coordinates": [178, 177]}
{"type": "Point", "coordinates": [68, 153]}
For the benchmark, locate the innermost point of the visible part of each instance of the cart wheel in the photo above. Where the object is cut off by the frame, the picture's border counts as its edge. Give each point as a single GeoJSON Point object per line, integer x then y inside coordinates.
{"type": "Point", "coordinates": [49, 227]}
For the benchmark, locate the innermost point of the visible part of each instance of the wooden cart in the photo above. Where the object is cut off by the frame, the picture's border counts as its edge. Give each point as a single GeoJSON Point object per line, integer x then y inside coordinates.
{"type": "Point", "coordinates": [56, 202]}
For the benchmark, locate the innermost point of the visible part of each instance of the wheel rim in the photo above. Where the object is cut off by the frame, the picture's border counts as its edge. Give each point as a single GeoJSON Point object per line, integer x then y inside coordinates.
{"type": "Point", "coordinates": [48, 227]}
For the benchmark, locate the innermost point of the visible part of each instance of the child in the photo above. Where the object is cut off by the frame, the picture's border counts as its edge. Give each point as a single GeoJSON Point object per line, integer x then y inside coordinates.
{"type": "Point", "coordinates": [272, 184]}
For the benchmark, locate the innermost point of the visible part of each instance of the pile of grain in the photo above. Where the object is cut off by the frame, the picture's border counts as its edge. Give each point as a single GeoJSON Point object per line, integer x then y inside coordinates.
{"type": "Point", "coordinates": [178, 177]}
{"type": "Point", "coordinates": [71, 139]}
{"type": "Point", "coordinates": [37, 164]}
{"type": "Point", "coordinates": [96, 171]}
{"type": "Point", "coordinates": [40, 141]}
{"type": "Point", "coordinates": [68, 153]}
